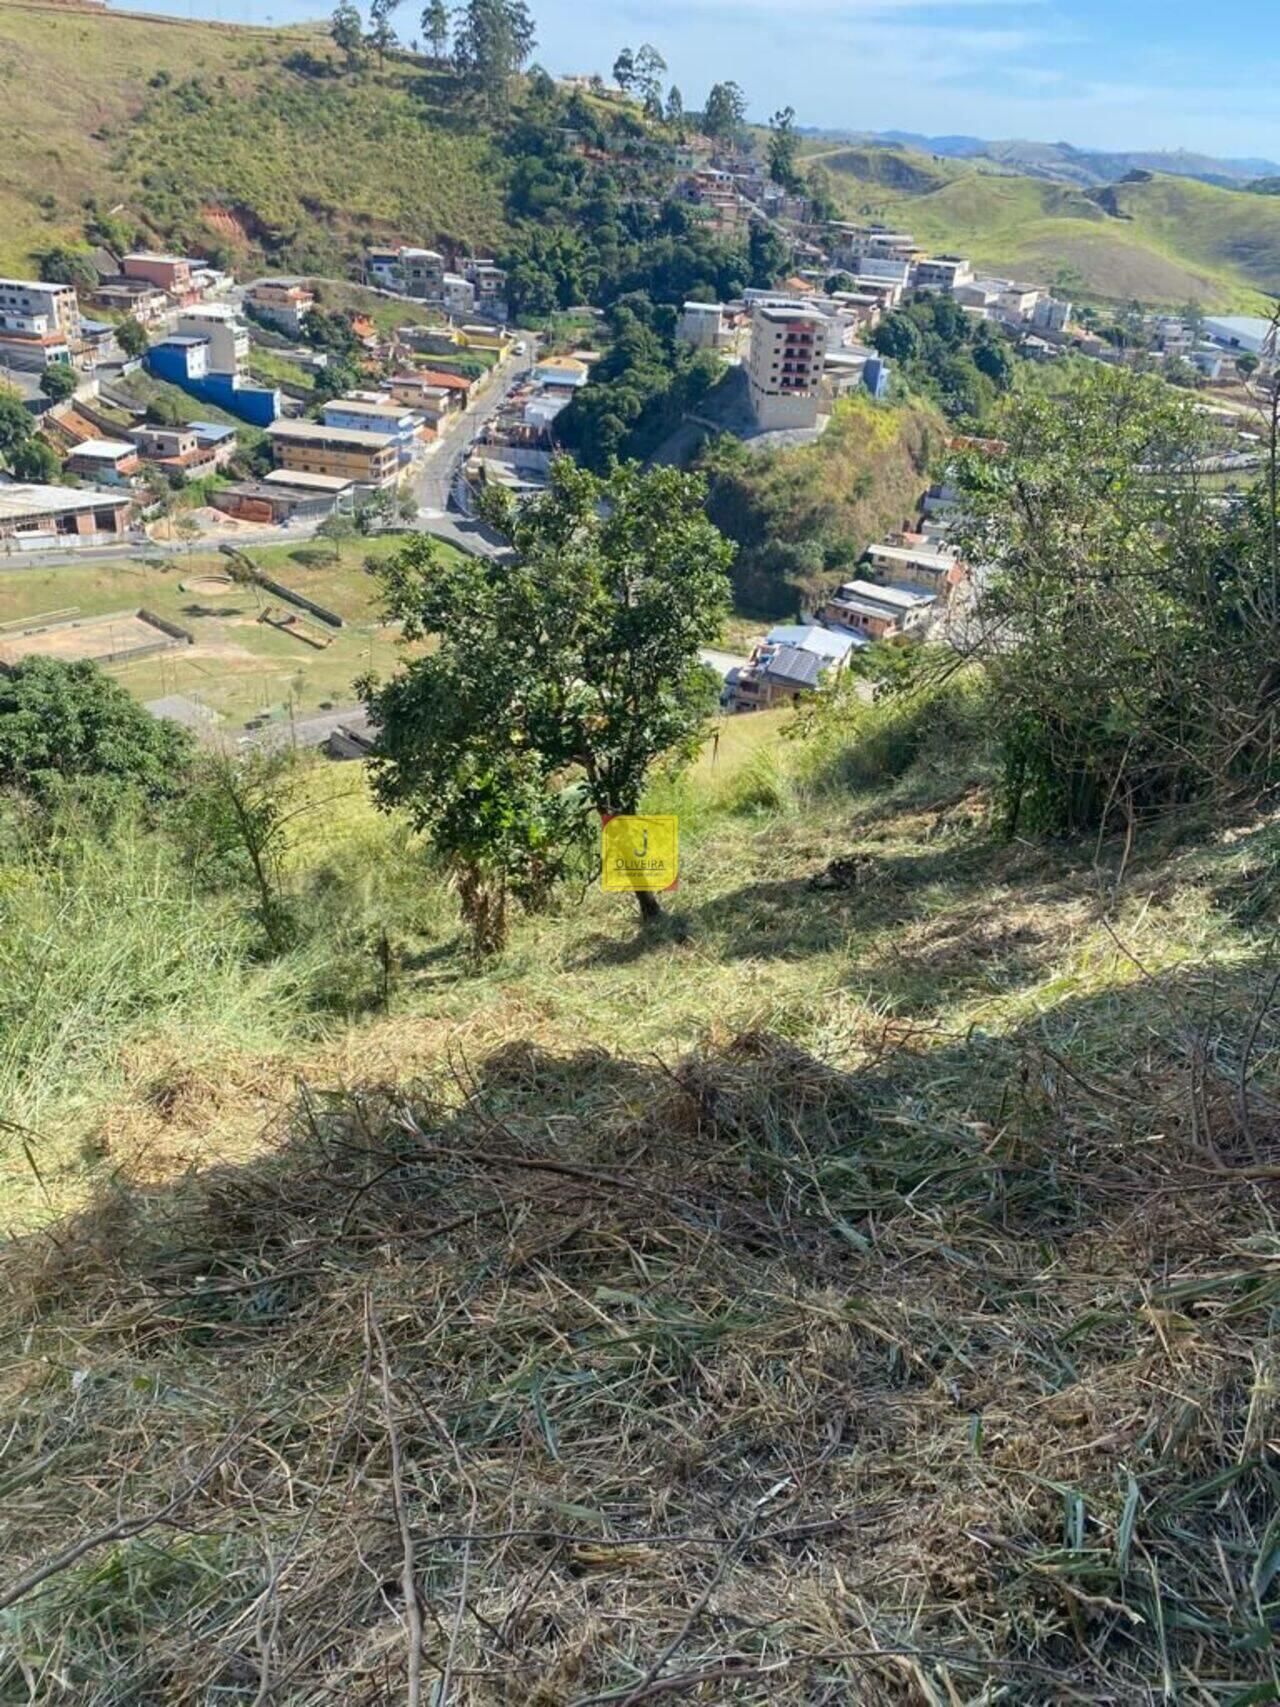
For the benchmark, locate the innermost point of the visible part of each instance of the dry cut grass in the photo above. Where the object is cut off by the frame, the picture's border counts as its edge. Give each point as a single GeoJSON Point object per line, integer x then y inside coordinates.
{"type": "Point", "coordinates": [945, 1376]}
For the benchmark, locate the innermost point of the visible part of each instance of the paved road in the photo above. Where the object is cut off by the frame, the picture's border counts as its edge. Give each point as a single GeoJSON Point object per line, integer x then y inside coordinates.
{"type": "Point", "coordinates": [433, 485]}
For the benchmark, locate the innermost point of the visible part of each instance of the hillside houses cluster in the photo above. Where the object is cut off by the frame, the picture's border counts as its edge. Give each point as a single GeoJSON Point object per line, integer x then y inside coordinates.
{"type": "Point", "coordinates": [470, 286]}
{"type": "Point", "coordinates": [906, 587]}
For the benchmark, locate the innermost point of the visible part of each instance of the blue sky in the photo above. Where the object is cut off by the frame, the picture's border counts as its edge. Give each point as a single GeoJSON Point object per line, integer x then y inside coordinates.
{"type": "Point", "coordinates": [1099, 73]}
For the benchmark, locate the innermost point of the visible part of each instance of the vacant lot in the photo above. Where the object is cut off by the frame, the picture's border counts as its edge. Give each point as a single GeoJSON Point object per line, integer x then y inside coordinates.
{"type": "Point", "coordinates": [239, 666]}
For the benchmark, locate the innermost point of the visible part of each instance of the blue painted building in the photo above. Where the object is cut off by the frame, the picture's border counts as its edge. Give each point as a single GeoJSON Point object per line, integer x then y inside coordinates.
{"type": "Point", "coordinates": [875, 376]}
{"type": "Point", "coordinates": [184, 361]}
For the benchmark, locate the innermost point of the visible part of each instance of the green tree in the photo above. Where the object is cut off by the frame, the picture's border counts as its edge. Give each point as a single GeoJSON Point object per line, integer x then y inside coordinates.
{"type": "Point", "coordinates": [560, 679]}
{"type": "Point", "coordinates": [35, 459]}
{"type": "Point", "coordinates": [649, 67]}
{"type": "Point", "coordinates": [58, 381]}
{"type": "Point", "coordinates": [675, 107]}
{"type": "Point", "coordinates": [624, 69]}
{"type": "Point", "coordinates": [68, 723]}
{"type": "Point", "coordinates": [784, 149]}
{"type": "Point", "coordinates": [336, 530]}
{"type": "Point", "coordinates": [235, 823]}
{"type": "Point", "coordinates": [435, 28]}
{"type": "Point", "coordinates": [381, 33]}
{"type": "Point", "coordinates": [131, 335]}
{"type": "Point", "coordinates": [61, 265]}
{"type": "Point", "coordinates": [15, 421]}
{"type": "Point", "coordinates": [725, 112]}
{"type": "Point", "coordinates": [898, 337]}
{"type": "Point", "coordinates": [769, 257]}
{"type": "Point", "coordinates": [347, 33]}
{"type": "Point", "coordinates": [1130, 624]}
{"type": "Point", "coordinates": [492, 41]}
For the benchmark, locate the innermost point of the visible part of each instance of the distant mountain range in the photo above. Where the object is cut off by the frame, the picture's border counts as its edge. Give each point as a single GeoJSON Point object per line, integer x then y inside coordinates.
{"type": "Point", "coordinates": [1063, 163]}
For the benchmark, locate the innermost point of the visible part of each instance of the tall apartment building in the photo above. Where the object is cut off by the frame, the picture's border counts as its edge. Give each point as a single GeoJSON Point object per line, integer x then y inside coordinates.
{"type": "Point", "coordinates": [39, 323]}
{"type": "Point", "coordinates": [788, 349]}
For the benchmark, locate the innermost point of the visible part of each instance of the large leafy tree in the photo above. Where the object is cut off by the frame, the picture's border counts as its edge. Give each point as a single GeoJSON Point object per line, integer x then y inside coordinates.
{"type": "Point", "coordinates": [725, 112]}
{"type": "Point", "coordinates": [560, 679]}
{"type": "Point", "coordinates": [58, 381]}
{"type": "Point", "coordinates": [347, 33]}
{"type": "Point", "coordinates": [435, 28]}
{"type": "Point", "coordinates": [784, 149]}
{"type": "Point", "coordinates": [492, 40]}
{"type": "Point", "coordinates": [69, 723]}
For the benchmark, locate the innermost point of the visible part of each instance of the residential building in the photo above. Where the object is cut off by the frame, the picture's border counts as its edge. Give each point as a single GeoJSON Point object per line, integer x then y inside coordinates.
{"type": "Point", "coordinates": [285, 303]}
{"type": "Point", "coordinates": [35, 517]}
{"type": "Point", "coordinates": [344, 453]}
{"type": "Point", "coordinates": [147, 303]}
{"type": "Point", "coordinates": [490, 283]}
{"type": "Point", "coordinates": [915, 566]}
{"type": "Point", "coordinates": [982, 294]}
{"type": "Point", "coordinates": [876, 611]}
{"type": "Point", "coordinates": [39, 324]}
{"type": "Point", "coordinates": [458, 294]}
{"type": "Point", "coordinates": [286, 495]}
{"type": "Point", "coordinates": [179, 450]}
{"type": "Point", "coordinates": [432, 401]}
{"type": "Point", "coordinates": [1244, 334]}
{"type": "Point", "coordinates": [215, 437]}
{"type": "Point", "coordinates": [171, 273]}
{"type": "Point", "coordinates": [1018, 301]}
{"type": "Point", "coordinates": [793, 659]}
{"type": "Point", "coordinates": [702, 324]}
{"type": "Point", "coordinates": [183, 360]}
{"type": "Point", "coordinates": [541, 409]}
{"type": "Point", "coordinates": [941, 272]}
{"type": "Point", "coordinates": [384, 416]}
{"type": "Point", "coordinates": [457, 384]}
{"type": "Point", "coordinates": [784, 372]}
{"type": "Point", "coordinates": [1051, 315]}
{"type": "Point", "coordinates": [422, 273]}
{"type": "Point", "coordinates": [562, 371]}
{"type": "Point", "coordinates": [876, 376]}
{"type": "Point", "coordinates": [226, 334]}
{"type": "Point", "coordinates": [114, 462]}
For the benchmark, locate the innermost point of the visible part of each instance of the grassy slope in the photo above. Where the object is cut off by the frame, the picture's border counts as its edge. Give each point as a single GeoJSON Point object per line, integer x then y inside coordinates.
{"type": "Point", "coordinates": [304, 162]}
{"type": "Point", "coordinates": [802, 517]}
{"type": "Point", "coordinates": [1178, 240]}
{"type": "Point", "coordinates": [853, 1270]}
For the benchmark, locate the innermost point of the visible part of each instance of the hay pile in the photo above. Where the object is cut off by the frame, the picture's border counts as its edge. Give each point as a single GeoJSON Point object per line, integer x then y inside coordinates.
{"type": "Point", "coordinates": [571, 1380]}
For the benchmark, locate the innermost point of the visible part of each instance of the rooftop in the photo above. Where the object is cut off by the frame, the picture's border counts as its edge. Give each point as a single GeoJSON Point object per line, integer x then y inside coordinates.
{"type": "Point", "coordinates": [363, 406]}
{"type": "Point", "coordinates": [31, 284]}
{"type": "Point", "coordinates": [106, 448]}
{"type": "Point", "coordinates": [789, 664]}
{"type": "Point", "coordinates": [314, 432]}
{"type": "Point", "coordinates": [939, 560]}
{"type": "Point", "coordinates": [897, 598]}
{"type": "Point", "coordinates": [18, 500]}
{"type": "Point", "coordinates": [291, 478]}
{"type": "Point", "coordinates": [808, 637]}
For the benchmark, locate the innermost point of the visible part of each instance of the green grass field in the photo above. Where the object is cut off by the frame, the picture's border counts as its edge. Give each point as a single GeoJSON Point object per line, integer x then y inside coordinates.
{"type": "Point", "coordinates": [239, 666]}
{"type": "Point", "coordinates": [1168, 240]}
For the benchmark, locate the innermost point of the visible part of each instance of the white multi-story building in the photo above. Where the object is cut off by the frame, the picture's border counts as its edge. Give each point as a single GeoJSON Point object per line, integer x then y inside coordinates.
{"type": "Point", "coordinates": [39, 323]}
{"type": "Point", "coordinates": [227, 334]}
{"type": "Point", "coordinates": [784, 372]}
{"type": "Point", "coordinates": [941, 272]}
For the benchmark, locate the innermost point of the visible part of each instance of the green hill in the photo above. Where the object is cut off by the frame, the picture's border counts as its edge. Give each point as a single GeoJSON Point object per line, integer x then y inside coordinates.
{"type": "Point", "coordinates": [1160, 239]}
{"type": "Point", "coordinates": [204, 132]}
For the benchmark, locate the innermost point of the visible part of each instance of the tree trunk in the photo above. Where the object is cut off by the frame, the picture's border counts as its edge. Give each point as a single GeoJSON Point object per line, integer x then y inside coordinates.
{"type": "Point", "coordinates": [650, 907]}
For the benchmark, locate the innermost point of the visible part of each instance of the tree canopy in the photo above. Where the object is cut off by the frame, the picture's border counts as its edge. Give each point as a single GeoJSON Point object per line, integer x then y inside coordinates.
{"type": "Point", "coordinates": [66, 723]}
{"type": "Point", "coordinates": [560, 678]}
